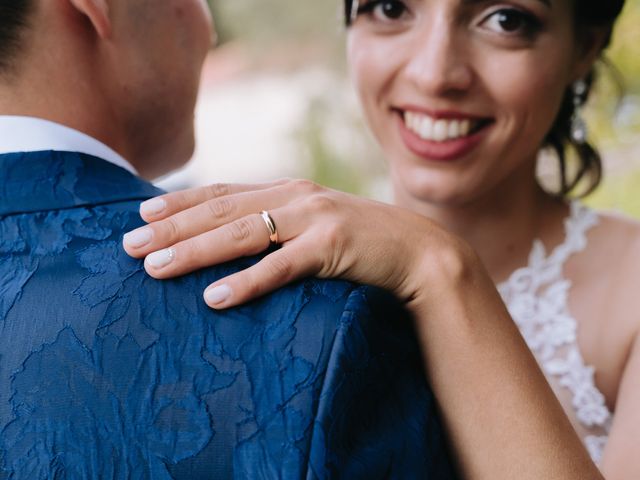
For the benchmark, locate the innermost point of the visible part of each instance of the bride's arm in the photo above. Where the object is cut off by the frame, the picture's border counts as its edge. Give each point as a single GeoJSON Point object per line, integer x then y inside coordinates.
{"type": "Point", "coordinates": [502, 415]}
{"type": "Point", "coordinates": [621, 455]}
{"type": "Point", "coordinates": [504, 420]}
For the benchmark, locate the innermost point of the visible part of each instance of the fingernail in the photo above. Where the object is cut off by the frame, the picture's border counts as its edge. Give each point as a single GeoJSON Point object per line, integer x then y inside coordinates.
{"type": "Point", "coordinates": [161, 258]}
{"type": "Point", "coordinates": [217, 295]}
{"type": "Point", "coordinates": [138, 238]}
{"type": "Point", "coordinates": [153, 206]}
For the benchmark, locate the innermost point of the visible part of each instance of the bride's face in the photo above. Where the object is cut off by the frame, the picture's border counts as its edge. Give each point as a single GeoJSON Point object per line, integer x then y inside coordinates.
{"type": "Point", "coordinates": [461, 93]}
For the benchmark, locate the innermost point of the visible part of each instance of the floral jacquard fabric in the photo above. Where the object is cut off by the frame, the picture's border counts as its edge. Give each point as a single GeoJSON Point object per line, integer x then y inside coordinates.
{"type": "Point", "coordinates": [106, 373]}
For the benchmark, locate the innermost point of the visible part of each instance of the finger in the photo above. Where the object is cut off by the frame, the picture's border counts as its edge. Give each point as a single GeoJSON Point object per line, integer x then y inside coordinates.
{"type": "Point", "coordinates": [161, 207]}
{"type": "Point", "coordinates": [243, 237]}
{"type": "Point", "coordinates": [201, 218]}
{"type": "Point", "coordinates": [276, 270]}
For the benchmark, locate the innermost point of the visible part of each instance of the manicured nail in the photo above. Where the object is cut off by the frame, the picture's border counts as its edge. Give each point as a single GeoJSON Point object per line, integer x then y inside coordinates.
{"type": "Point", "coordinates": [161, 258]}
{"type": "Point", "coordinates": [138, 238]}
{"type": "Point", "coordinates": [152, 207]}
{"type": "Point", "coordinates": [218, 295]}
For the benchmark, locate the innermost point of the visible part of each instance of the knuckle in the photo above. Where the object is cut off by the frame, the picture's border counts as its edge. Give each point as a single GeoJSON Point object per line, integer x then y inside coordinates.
{"type": "Point", "coordinates": [306, 186]}
{"type": "Point", "coordinates": [218, 190]}
{"type": "Point", "coordinates": [251, 285]}
{"type": "Point", "coordinates": [191, 254]}
{"type": "Point", "coordinates": [186, 253]}
{"type": "Point", "coordinates": [241, 230]}
{"type": "Point", "coordinates": [279, 267]}
{"type": "Point", "coordinates": [221, 208]}
{"type": "Point", "coordinates": [171, 229]}
{"type": "Point", "coordinates": [321, 203]}
{"type": "Point", "coordinates": [284, 181]}
{"type": "Point", "coordinates": [184, 199]}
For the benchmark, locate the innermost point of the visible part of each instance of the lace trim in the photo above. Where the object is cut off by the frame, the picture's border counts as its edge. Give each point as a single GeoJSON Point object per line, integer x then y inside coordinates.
{"type": "Point", "coordinates": [537, 298]}
{"type": "Point", "coordinates": [595, 446]}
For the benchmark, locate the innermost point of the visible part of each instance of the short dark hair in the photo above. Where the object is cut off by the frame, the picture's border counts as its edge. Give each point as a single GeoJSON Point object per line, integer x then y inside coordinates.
{"type": "Point", "coordinates": [14, 16]}
{"type": "Point", "coordinates": [588, 14]}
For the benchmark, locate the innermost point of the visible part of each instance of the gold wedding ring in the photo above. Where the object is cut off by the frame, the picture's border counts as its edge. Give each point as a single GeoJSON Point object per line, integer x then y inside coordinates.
{"type": "Point", "coordinates": [271, 225]}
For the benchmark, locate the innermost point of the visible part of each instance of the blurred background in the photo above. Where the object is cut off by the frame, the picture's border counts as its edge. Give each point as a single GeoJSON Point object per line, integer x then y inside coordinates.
{"type": "Point", "coordinates": [276, 102]}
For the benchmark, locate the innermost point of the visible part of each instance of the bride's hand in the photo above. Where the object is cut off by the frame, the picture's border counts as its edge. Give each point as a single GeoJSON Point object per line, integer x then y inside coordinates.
{"type": "Point", "coordinates": [322, 232]}
{"type": "Point", "coordinates": [477, 362]}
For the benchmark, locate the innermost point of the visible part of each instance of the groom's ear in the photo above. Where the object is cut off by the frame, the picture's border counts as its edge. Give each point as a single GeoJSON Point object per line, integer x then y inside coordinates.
{"type": "Point", "coordinates": [97, 11]}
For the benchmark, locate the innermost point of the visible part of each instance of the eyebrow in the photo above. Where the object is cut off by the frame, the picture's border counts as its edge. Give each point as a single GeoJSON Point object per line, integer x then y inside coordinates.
{"type": "Point", "coordinates": [545, 2]}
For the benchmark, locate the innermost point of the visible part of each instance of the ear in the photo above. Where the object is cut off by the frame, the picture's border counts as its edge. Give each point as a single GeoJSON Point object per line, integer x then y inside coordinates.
{"type": "Point", "coordinates": [97, 11]}
{"type": "Point", "coordinates": [590, 45]}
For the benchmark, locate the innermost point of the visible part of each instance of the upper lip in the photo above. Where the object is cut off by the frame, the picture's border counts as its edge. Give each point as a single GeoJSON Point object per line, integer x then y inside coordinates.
{"type": "Point", "coordinates": [440, 114]}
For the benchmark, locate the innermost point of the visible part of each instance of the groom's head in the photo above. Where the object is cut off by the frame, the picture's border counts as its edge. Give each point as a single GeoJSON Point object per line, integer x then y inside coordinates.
{"type": "Point", "coordinates": [13, 19]}
{"type": "Point", "coordinates": [124, 71]}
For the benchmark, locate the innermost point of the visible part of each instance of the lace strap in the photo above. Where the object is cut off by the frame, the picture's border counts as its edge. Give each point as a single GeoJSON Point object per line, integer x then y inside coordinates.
{"type": "Point", "coordinates": [544, 269]}
{"type": "Point", "coordinates": [537, 298]}
{"type": "Point", "coordinates": [577, 225]}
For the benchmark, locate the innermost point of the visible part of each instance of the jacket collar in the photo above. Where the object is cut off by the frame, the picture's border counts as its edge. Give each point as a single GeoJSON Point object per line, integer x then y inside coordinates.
{"type": "Point", "coordinates": [51, 180]}
{"type": "Point", "coordinates": [32, 134]}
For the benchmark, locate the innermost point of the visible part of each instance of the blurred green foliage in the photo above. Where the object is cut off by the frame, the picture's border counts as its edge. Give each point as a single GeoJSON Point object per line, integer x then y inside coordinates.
{"type": "Point", "coordinates": [326, 166]}
{"type": "Point", "coordinates": [624, 50]}
{"type": "Point", "coordinates": [621, 193]}
{"type": "Point", "coordinates": [266, 26]}
{"type": "Point", "coordinates": [614, 118]}
{"type": "Point", "coordinates": [351, 163]}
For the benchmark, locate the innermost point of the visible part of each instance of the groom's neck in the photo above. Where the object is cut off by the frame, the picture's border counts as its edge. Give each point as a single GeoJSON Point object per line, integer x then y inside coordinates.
{"type": "Point", "coordinates": [61, 97]}
{"type": "Point", "coordinates": [64, 99]}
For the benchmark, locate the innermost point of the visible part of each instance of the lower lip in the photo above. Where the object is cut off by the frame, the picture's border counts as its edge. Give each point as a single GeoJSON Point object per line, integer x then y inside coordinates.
{"type": "Point", "coordinates": [448, 151]}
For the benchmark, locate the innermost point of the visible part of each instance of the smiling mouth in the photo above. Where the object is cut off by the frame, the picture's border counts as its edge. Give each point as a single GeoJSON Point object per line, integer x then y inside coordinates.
{"type": "Point", "coordinates": [441, 130]}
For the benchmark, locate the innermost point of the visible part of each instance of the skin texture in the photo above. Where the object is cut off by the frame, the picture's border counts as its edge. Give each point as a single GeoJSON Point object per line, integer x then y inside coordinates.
{"type": "Point", "coordinates": [458, 227]}
{"type": "Point", "coordinates": [124, 72]}
{"type": "Point", "coordinates": [470, 68]}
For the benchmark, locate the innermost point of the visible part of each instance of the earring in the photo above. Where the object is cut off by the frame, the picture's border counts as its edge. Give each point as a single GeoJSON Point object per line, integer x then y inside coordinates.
{"type": "Point", "coordinates": [355, 6]}
{"type": "Point", "coordinates": [579, 130]}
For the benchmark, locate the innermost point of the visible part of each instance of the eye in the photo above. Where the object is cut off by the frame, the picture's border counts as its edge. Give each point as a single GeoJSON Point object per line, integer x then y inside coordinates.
{"type": "Point", "coordinates": [512, 22]}
{"type": "Point", "coordinates": [384, 9]}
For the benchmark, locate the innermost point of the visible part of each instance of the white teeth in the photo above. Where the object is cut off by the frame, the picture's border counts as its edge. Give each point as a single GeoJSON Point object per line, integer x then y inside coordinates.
{"type": "Point", "coordinates": [417, 124]}
{"type": "Point", "coordinates": [408, 119]}
{"type": "Point", "coordinates": [465, 128]}
{"type": "Point", "coordinates": [426, 128]}
{"type": "Point", "coordinates": [441, 131]}
{"type": "Point", "coordinates": [454, 129]}
{"type": "Point", "coordinates": [437, 130]}
{"type": "Point", "coordinates": [412, 121]}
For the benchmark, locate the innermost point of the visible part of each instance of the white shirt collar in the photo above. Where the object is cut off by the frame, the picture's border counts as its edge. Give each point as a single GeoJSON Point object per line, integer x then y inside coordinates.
{"type": "Point", "coordinates": [30, 134]}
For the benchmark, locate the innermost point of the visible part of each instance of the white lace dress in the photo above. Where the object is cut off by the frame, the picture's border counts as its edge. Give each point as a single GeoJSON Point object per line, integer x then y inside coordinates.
{"type": "Point", "coordinates": [537, 298]}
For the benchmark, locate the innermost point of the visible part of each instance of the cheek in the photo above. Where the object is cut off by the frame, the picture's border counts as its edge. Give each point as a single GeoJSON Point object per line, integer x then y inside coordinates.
{"type": "Point", "coordinates": [203, 18]}
{"type": "Point", "coordinates": [361, 66]}
{"type": "Point", "coordinates": [527, 88]}
{"type": "Point", "coordinates": [372, 67]}
{"type": "Point", "coordinates": [194, 26]}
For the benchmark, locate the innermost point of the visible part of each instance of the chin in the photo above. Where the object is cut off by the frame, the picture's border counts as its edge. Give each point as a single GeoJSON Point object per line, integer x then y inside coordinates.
{"type": "Point", "coordinates": [442, 197]}
{"type": "Point", "coordinates": [436, 188]}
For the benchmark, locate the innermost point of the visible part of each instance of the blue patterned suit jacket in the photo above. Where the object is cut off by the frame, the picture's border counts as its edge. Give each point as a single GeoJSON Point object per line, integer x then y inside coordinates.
{"type": "Point", "coordinates": [106, 373]}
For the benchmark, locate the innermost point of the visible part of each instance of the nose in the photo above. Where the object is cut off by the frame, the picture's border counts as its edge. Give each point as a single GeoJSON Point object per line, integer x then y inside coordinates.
{"type": "Point", "coordinates": [439, 61]}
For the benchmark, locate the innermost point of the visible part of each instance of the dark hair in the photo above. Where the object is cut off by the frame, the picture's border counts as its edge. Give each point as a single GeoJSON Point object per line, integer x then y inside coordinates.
{"type": "Point", "coordinates": [588, 14]}
{"type": "Point", "coordinates": [14, 16]}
